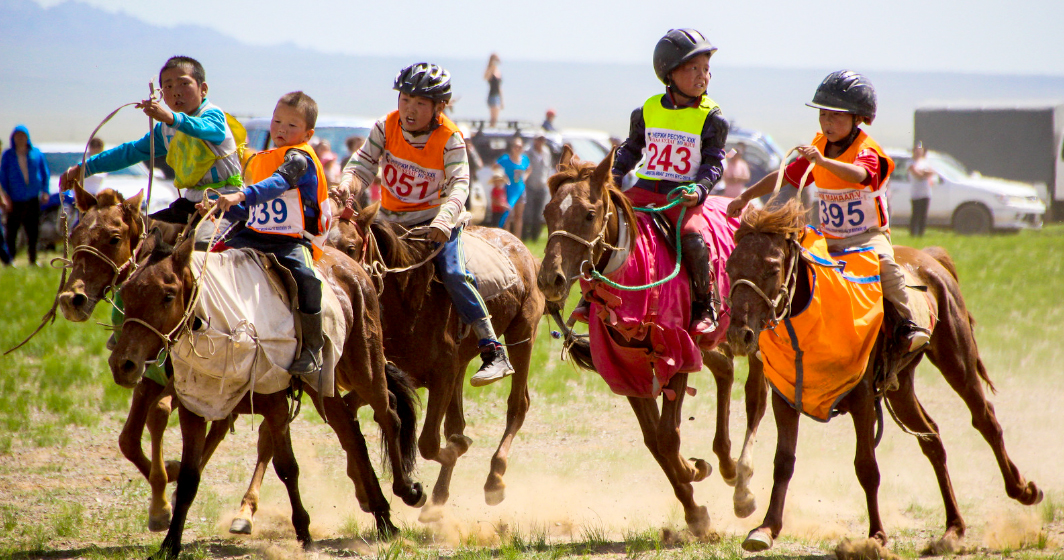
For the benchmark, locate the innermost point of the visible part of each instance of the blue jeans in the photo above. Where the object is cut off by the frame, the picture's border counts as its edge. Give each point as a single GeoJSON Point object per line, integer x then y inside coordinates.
{"type": "Point", "coordinates": [460, 283]}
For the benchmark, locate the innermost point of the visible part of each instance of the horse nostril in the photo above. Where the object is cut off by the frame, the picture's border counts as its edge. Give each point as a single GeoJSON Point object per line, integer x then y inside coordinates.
{"type": "Point", "coordinates": [559, 280]}
{"type": "Point", "coordinates": [748, 336]}
{"type": "Point", "coordinates": [78, 300]}
{"type": "Point", "coordinates": [128, 366]}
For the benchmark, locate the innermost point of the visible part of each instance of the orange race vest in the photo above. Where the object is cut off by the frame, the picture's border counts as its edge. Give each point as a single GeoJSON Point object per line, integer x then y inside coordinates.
{"type": "Point", "coordinates": [412, 178]}
{"type": "Point", "coordinates": [818, 355]}
{"type": "Point", "coordinates": [284, 214]}
{"type": "Point", "coordinates": [847, 209]}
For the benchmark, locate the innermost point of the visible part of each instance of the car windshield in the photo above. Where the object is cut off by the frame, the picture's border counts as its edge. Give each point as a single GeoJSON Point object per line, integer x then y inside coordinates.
{"type": "Point", "coordinates": [949, 168]}
{"type": "Point", "coordinates": [58, 162]}
{"type": "Point", "coordinates": [587, 149]}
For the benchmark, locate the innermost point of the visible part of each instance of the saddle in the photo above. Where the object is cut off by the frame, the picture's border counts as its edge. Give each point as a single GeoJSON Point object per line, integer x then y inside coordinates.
{"type": "Point", "coordinates": [489, 264]}
{"type": "Point", "coordinates": [245, 336]}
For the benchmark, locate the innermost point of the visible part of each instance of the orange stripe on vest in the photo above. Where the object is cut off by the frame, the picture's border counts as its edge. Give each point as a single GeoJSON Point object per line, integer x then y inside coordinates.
{"type": "Point", "coordinates": [265, 163]}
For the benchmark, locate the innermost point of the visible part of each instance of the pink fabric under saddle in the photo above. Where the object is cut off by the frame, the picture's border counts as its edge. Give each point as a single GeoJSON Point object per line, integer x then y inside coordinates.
{"type": "Point", "coordinates": [639, 339]}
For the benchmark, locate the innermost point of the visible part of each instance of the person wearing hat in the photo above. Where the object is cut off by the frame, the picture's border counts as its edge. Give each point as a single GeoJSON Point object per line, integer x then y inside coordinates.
{"type": "Point", "coordinates": [425, 182]}
{"type": "Point", "coordinates": [682, 133]}
{"type": "Point", "coordinates": [548, 122]}
{"type": "Point", "coordinates": [850, 172]}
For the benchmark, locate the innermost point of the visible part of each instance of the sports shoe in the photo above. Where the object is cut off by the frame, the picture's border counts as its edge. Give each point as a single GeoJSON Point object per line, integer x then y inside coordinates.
{"type": "Point", "coordinates": [495, 367]}
{"type": "Point", "coordinates": [917, 336]}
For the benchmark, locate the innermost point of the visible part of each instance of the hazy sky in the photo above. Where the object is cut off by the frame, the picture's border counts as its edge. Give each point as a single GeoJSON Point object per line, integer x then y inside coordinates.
{"type": "Point", "coordinates": [980, 36]}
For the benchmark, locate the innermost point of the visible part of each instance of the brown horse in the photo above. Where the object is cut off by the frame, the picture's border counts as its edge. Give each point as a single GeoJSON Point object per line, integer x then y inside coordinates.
{"type": "Point", "coordinates": [424, 336]}
{"type": "Point", "coordinates": [770, 239]}
{"type": "Point", "coordinates": [590, 221]}
{"type": "Point", "coordinates": [105, 240]}
{"type": "Point", "coordinates": [158, 296]}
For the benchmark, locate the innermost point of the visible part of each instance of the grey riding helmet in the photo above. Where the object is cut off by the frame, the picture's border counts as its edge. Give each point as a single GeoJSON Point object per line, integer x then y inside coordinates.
{"type": "Point", "coordinates": [424, 80]}
{"type": "Point", "coordinates": [676, 47]}
{"type": "Point", "coordinates": [848, 92]}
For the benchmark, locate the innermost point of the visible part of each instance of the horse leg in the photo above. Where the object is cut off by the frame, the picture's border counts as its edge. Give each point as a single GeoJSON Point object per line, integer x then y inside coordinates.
{"type": "Point", "coordinates": [245, 517]}
{"type": "Point", "coordinates": [719, 361]}
{"type": "Point", "coordinates": [864, 424]}
{"type": "Point", "coordinates": [743, 501]}
{"type": "Point", "coordinates": [786, 417]}
{"type": "Point", "coordinates": [910, 414]}
{"type": "Point", "coordinates": [516, 408]}
{"type": "Point", "coordinates": [661, 435]}
{"type": "Point", "coordinates": [215, 436]}
{"type": "Point", "coordinates": [954, 352]}
{"type": "Point", "coordinates": [151, 407]}
{"type": "Point", "coordinates": [193, 436]}
{"type": "Point", "coordinates": [447, 398]}
{"type": "Point", "coordinates": [275, 415]}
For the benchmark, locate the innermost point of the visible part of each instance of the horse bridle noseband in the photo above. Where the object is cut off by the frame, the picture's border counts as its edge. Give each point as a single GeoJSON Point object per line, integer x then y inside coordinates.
{"type": "Point", "coordinates": [786, 293]}
{"type": "Point", "coordinates": [598, 242]}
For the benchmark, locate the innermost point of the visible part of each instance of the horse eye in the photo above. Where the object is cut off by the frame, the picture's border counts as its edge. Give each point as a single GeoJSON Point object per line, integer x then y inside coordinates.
{"type": "Point", "coordinates": [590, 216]}
{"type": "Point", "coordinates": [168, 297]}
{"type": "Point", "coordinates": [115, 240]}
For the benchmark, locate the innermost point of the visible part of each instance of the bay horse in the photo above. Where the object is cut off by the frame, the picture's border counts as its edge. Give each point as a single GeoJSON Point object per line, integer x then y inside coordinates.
{"type": "Point", "coordinates": [585, 215]}
{"type": "Point", "coordinates": [158, 298]}
{"type": "Point", "coordinates": [768, 246]}
{"type": "Point", "coordinates": [424, 336]}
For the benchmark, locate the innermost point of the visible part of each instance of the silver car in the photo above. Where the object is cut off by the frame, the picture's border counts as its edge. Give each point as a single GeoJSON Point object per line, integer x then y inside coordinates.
{"type": "Point", "coordinates": [966, 202]}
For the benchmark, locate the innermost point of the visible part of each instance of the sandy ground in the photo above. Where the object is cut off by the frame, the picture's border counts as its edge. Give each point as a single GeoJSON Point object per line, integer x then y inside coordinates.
{"type": "Point", "coordinates": [576, 471]}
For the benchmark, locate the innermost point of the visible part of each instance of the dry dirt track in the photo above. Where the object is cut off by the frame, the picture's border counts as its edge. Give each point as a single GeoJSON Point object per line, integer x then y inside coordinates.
{"type": "Point", "coordinates": [577, 470]}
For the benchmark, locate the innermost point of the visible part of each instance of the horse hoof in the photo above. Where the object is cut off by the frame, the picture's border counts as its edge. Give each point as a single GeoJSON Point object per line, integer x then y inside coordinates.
{"type": "Point", "coordinates": [698, 522]}
{"type": "Point", "coordinates": [173, 468]}
{"type": "Point", "coordinates": [417, 496]}
{"type": "Point", "coordinates": [431, 513]}
{"type": "Point", "coordinates": [494, 496]}
{"type": "Point", "coordinates": [744, 504]}
{"type": "Point", "coordinates": [461, 443]}
{"type": "Point", "coordinates": [702, 469]}
{"type": "Point", "coordinates": [386, 530]}
{"type": "Point", "coordinates": [240, 526]}
{"type": "Point", "coordinates": [757, 541]}
{"type": "Point", "coordinates": [730, 481]}
{"type": "Point", "coordinates": [159, 523]}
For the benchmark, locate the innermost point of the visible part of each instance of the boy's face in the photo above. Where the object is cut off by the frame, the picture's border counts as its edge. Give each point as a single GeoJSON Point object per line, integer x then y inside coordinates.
{"type": "Point", "coordinates": [836, 125]}
{"type": "Point", "coordinates": [289, 127]}
{"type": "Point", "coordinates": [692, 76]}
{"type": "Point", "coordinates": [416, 113]}
{"type": "Point", "coordinates": [181, 92]}
{"type": "Point", "coordinates": [20, 140]}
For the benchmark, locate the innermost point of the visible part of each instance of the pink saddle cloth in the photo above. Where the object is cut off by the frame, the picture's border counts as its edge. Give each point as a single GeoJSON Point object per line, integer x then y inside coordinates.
{"type": "Point", "coordinates": [639, 338]}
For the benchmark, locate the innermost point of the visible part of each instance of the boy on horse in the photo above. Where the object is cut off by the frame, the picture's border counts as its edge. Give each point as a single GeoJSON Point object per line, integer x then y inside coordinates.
{"type": "Point", "coordinates": [682, 132]}
{"type": "Point", "coordinates": [425, 183]}
{"type": "Point", "coordinates": [287, 212]}
{"type": "Point", "coordinates": [850, 173]}
{"type": "Point", "coordinates": [192, 133]}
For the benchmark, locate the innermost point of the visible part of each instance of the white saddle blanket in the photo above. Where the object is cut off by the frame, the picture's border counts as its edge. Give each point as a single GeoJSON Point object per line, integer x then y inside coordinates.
{"type": "Point", "coordinates": [247, 337]}
{"type": "Point", "coordinates": [493, 269]}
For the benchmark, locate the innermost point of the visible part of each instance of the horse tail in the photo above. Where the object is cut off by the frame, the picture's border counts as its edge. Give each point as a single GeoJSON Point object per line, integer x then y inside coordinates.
{"type": "Point", "coordinates": [407, 402]}
{"type": "Point", "coordinates": [942, 256]}
{"type": "Point", "coordinates": [578, 346]}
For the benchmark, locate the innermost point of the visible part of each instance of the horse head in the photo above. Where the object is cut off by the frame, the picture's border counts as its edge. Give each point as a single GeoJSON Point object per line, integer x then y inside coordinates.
{"type": "Point", "coordinates": [582, 222]}
{"type": "Point", "coordinates": [761, 268]}
{"type": "Point", "coordinates": [104, 239]}
{"type": "Point", "coordinates": [156, 299]}
{"type": "Point", "coordinates": [351, 230]}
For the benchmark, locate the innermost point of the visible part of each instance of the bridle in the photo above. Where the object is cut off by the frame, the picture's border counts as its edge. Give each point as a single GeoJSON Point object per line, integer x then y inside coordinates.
{"type": "Point", "coordinates": [185, 322]}
{"type": "Point", "coordinates": [786, 293]}
{"type": "Point", "coordinates": [596, 244]}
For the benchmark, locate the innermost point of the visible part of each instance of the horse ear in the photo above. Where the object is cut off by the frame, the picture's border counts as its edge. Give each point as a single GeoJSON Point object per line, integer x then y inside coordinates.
{"type": "Point", "coordinates": [366, 217]}
{"type": "Point", "coordinates": [602, 178]}
{"type": "Point", "coordinates": [82, 198]}
{"type": "Point", "coordinates": [183, 252]}
{"type": "Point", "coordinates": [566, 159]}
{"type": "Point", "coordinates": [132, 205]}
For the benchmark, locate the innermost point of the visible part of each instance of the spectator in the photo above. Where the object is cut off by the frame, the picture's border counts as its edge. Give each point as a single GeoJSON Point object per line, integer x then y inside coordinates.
{"type": "Point", "coordinates": [5, 209]}
{"type": "Point", "coordinates": [94, 183]}
{"type": "Point", "coordinates": [548, 123]}
{"type": "Point", "coordinates": [736, 173]}
{"type": "Point", "coordinates": [536, 193]}
{"type": "Point", "coordinates": [329, 162]}
{"type": "Point", "coordinates": [24, 177]}
{"type": "Point", "coordinates": [353, 143]}
{"type": "Point", "coordinates": [923, 178]}
{"type": "Point", "coordinates": [493, 76]}
{"type": "Point", "coordinates": [516, 165]}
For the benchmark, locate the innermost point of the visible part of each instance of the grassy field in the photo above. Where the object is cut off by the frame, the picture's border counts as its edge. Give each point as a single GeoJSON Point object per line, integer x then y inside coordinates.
{"type": "Point", "coordinates": [66, 492]}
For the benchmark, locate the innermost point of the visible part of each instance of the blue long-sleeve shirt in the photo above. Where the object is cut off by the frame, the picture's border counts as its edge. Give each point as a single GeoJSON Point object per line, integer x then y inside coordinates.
{"type": "Point", "coordinates": [11, 180]}
{"type": "Point", "coordinates": [275, 186]}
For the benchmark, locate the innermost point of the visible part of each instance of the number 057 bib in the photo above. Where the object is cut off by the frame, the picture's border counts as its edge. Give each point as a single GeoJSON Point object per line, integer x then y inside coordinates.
{"type": "Point", "coordinates": [673, 140]}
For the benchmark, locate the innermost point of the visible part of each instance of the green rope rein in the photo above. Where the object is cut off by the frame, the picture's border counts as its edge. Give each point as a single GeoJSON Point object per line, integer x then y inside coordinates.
{"type": "Point", "coordinates": [685, 189]}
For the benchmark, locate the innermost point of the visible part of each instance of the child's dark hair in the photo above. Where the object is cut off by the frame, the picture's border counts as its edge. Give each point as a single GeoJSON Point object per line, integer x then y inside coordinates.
{"type": "Point", "coordinates": [304, 104]}
{"type": "Point", "coordinates": [191, 65]}
{"type": "Point", "coordinates": [96, 143]}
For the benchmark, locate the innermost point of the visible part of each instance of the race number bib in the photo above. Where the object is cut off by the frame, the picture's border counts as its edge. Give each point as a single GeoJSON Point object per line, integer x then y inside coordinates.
{"type": "Point", "coordinates": [411, 184]}
{"type": "Point", "coordinates": [283, 214]}
{"type": "Point", "coordinates": [671, 155]}
{"type": "Point", "coordinates": [844, 213]}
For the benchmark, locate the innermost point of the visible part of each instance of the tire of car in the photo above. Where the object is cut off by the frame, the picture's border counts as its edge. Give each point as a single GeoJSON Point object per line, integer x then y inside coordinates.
{"type": "Point", "coordinates": [972, 218]}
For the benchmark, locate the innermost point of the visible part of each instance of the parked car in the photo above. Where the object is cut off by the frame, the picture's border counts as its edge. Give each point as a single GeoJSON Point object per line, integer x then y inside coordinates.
{"type": "Point", "coordinates": [588, 145]}
{"type": "Point", "coordinates": [966, 202]}
{"type": "Point", "coordinates": [762, 154]}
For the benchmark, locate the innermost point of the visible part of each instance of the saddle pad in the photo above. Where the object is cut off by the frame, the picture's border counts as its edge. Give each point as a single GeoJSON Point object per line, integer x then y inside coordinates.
{"type": "Point", "coordinates": [246, 338]}
{"type": "Point", "coordinates": [920, 302]}
{"type": "Point", "coordinates": [819, 354]}
{"type": "Point", "coordinates": [493, 269]}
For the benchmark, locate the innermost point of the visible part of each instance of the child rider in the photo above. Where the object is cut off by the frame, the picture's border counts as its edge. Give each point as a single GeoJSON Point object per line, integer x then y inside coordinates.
{"type": "Point", "coordinates": [682, 133]}
{"type": "Point", "coordinates": [850, 173]}
{"type": "Point", "coordinates": [425, 182]}
{"type": "Point", "coordinates": [286, 208]}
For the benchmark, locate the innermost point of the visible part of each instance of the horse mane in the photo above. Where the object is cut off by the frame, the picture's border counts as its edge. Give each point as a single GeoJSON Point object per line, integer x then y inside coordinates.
{"type": "Point", "coordinates": [787, 219]}
{"type": "Point", "coordinates": [582, 172]}
{"type": "Point", "coordinates": [396, 251]}
{"type": "Point", "coordinates": [108, 197]}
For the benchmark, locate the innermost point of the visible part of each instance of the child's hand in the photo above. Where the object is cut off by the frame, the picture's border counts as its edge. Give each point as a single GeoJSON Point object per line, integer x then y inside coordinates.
{"type": "Point", "coordinates": [735, 207]}
{"type": "Point", "coordinates": [157, 111]}
{"type": "Point", "coordinates": [68, 177]}
{"type": "Point", "coordinates": [227, 201]}
{"type": "Point", "coordinates": [689, 199]}
{"type": "Point", "coordinates": [812, 154]}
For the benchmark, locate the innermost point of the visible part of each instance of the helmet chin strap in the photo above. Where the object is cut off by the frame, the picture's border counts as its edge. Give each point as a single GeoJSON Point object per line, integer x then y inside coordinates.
{"type": "Point", "coordinates": [845, 143]}
{"type": "Point", "coordinates": [672, 90]}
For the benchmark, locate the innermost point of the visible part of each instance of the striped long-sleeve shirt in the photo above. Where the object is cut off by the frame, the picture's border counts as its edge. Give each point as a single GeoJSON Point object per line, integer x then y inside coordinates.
{"type": "Point", "coordinates": [364, 164]}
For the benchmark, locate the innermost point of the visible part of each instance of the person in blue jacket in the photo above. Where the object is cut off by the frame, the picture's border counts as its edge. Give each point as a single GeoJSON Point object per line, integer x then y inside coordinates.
{"type": "Point", "coordinates": [24, 178]}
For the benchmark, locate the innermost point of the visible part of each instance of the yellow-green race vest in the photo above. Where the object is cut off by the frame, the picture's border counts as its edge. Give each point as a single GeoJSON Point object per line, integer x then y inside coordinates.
{"type": "Point", "coordinates": [673, 138]}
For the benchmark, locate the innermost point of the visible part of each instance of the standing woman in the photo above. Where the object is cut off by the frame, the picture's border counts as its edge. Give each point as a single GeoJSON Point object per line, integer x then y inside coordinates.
{"type": "Point", "coordinates": [516, 165]}
{"type": "Point", "coordinates": [24, 178]}
{"type": "Point", "coordinates": [923, 177]}
{"type": "Point", "coordinates": [493, 76]}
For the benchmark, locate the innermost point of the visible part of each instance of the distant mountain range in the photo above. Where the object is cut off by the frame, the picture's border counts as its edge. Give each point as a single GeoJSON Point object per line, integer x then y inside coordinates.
{"type": "Point", "coordinates": [66, 67]}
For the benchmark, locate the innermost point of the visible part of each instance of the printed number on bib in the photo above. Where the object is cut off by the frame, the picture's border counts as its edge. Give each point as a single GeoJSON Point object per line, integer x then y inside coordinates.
{"type": "Point", "coordinates": [839, 215]}
{"type": "Point", "coordinates": [664, 158]}
{"type": "Point", "coordinates": [404, 184]}
{"type": "Point", "coordinates": [280, 215]}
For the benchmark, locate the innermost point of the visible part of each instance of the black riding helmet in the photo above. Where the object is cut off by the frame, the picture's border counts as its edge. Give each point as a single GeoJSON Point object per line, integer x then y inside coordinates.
{"type": "Point", "coordinates": [677, 46]}
{"type": "Point", "coordinates": [424, 80]}
{"type": "Point", "coordinates": [848, 92]}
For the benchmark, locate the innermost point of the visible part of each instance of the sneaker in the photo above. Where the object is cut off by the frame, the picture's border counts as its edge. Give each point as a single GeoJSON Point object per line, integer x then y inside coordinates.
{"type": "Point", "coordinates": [918, 337]}
{"type": "Point", "coordinates": [495, 367]}
{"type": "Point", "coordinates": [703, 324]}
